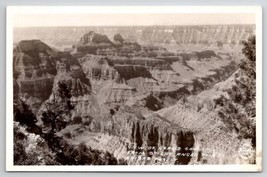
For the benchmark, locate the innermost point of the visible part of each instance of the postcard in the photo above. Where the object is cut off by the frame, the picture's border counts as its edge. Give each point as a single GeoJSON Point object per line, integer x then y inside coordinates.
{"type": "Point", "coordinates": [134, 88]}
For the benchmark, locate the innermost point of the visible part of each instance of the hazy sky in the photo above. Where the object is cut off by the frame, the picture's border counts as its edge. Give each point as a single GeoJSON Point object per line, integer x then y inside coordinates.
{"type": "Point", "coordinates": [27, 20]}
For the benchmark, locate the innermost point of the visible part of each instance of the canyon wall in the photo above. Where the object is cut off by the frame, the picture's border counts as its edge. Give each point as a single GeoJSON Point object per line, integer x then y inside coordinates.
{"type": "Point", "coordinates": [65, 37]}
{"type": "Point", "coordinates": [131, 79]}
{"type": "Point", "coordinates": [128, 96]}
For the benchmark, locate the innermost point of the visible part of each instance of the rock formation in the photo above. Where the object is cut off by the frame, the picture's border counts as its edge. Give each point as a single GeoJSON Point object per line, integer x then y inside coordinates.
{"type": "Point", "coordinates": [80, 90]}
{"type": "Point", "coordinates": [94, 38]}
{"type": "Point", "coordinates": [35, 67]}
{"type": "Point", "coordinates": [165, 74]}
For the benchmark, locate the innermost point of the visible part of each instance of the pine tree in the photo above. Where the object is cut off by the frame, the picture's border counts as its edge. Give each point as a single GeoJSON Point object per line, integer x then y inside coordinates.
{"type": "Point", "coordinates": [58, 108]}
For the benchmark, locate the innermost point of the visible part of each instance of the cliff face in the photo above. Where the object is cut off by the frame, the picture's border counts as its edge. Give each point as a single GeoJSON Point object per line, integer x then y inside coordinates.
{"type": "Point", "coordinates": [215, 142]}
{"type": "Point", "coordinates": [98, 68]}
{"type": "Point", "coordinates": [108, 82]}
{"type": "Point", "coordinates": [128, 131]}
{"type": "Point", "coordinates": [81, 97]}
{"type": "Point", "coordinates": [35, 67]}
{"type": "Point", "coordinates": [102, 68]}
{"type": "Point", "coordinates": [149, 132]}
{"type": "Point", "coordinates": [198, 34]}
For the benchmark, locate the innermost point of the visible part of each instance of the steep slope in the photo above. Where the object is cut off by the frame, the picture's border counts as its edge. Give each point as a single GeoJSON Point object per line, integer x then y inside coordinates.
{"type": "Point", "coordinates": [35, 67]}
{"type": "Point", "coordinates": [215, 142]}
{"type": "Point", "coordinates": [80, 91]}
{"type": "Point", "coordinates": [132, 79]}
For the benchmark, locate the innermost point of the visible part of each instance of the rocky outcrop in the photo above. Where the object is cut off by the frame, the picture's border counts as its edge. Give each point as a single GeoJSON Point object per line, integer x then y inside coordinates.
{"type": "Point", "coordinates": [118, 38]}
{"type": "Point", "coordinates": [98, 68]}
{"type": "Point", "coordinates": [92, 42]}
{"type": "Point", "coordinates": [80, 90]}
{"type": "Point", "coordinates": [94, 38]}
{"type": "Point", "coordinates": [32, 47]}
{"type": "Point", "coordinates": [35, 66]}
{"type": "Point", "coordinates": [80, 94]}
{"type": "Point", "coordinates": [79, 85]}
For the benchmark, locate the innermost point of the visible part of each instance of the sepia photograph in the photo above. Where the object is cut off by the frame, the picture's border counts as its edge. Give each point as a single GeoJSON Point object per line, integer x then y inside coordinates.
{"type": "Point", "coordinates": [142, 88]}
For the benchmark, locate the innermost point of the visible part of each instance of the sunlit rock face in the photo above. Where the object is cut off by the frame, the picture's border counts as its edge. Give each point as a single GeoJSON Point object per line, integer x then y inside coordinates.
{"type": "Point", "coordinates": [99, 70]}
{"type": "Point", "coordinates": [133, 132]}
{"type": "Point", "coordinates": [105, 80]}
{"type": "Point", "coordinates": [114, 92]}
{"type": "Point", "coordinates": [97, 67]}
{"type": "Point", "coordinates": [80, 89]}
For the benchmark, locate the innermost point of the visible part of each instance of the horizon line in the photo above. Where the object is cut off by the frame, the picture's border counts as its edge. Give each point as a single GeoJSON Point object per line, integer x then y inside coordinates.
{"type": "Point", "coordinates": [230, 24]}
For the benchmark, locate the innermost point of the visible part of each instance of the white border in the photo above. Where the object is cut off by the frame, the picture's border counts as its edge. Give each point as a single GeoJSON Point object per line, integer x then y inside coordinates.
{"type": "Point", "coordinates": [13, 10]}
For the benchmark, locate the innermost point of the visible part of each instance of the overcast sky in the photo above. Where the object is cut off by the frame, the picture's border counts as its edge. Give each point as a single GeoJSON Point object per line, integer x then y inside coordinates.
{"type": "Point", "coordinates": [27, 20]}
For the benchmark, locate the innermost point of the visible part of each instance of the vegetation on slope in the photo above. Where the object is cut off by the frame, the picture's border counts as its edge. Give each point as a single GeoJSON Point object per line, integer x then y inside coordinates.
{"type": "Point", "coordinates": [238, 111]}
{"type": "Point", "coordinates": [44, 147]}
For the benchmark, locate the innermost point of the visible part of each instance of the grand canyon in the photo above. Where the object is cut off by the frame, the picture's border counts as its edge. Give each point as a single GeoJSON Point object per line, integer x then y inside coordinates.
{"type": "Point", "coordinates": [132, 95]}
